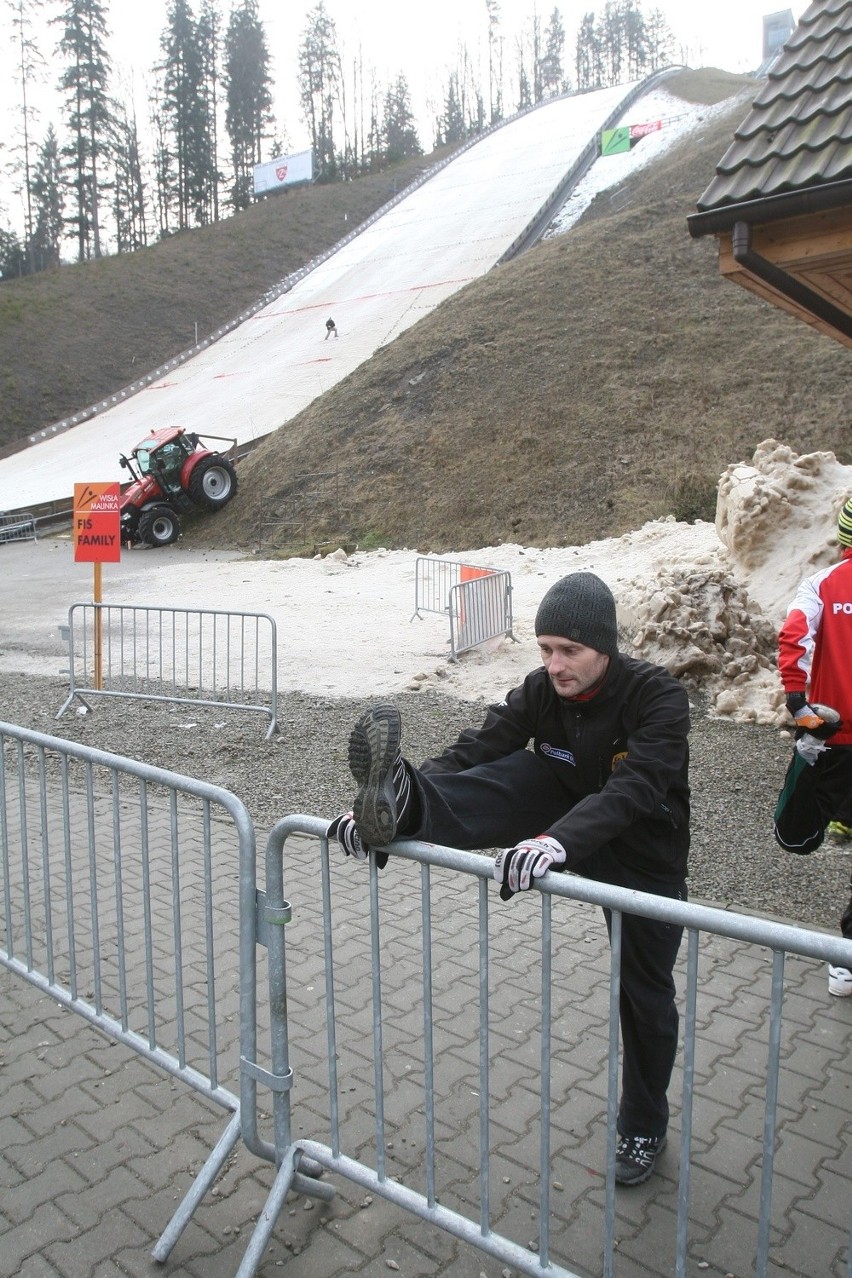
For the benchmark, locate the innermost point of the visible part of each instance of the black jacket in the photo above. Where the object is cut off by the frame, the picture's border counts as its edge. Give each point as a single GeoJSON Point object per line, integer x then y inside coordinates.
{"type": "Point", "coordinates": [622, 758]}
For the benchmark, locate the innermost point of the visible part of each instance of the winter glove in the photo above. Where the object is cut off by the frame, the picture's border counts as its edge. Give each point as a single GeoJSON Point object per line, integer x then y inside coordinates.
{"type": "Point", "coordinates": [343, 829]}
{"type": "Point", "coordinates": [820, 721]}
{"type": "Point", "coordinates": [516, 867]}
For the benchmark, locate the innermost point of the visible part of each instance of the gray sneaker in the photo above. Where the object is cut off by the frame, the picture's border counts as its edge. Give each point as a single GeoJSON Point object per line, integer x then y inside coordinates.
{"type": "Point", "coordinates": [383, 782]}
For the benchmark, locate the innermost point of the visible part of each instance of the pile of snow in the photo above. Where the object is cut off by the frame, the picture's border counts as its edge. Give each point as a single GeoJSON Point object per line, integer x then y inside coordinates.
{"type": "Point", "coordinates": [778, 519]}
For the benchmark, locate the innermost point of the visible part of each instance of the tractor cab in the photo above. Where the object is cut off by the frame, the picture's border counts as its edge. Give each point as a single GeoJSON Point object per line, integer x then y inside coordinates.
{"type": "Point", "coordinates": [163, 456]}
{"type": "Point", "coordinates": [172, 475]}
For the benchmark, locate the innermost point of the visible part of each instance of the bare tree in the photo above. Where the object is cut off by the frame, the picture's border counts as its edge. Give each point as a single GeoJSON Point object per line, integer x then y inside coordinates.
{"type": "Point", "coordinates": [495, 62]}
{"type": "Point", "coordinates": [29, 71]}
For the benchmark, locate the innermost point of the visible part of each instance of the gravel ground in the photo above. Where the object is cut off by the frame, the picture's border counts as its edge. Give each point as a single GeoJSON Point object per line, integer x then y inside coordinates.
{"type": "Point", "coordinates": [736, 773]}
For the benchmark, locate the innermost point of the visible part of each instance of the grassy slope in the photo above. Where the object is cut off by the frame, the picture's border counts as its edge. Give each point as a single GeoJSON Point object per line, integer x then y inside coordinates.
{"type": "Point", "coordinates": [69, 337]}
{"type": "Point", "coordinates": [604, 378]}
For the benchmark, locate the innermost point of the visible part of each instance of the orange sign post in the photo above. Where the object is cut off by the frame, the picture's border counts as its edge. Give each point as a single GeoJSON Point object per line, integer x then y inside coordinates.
{"type": "Point", "coordinates": [97, 540]}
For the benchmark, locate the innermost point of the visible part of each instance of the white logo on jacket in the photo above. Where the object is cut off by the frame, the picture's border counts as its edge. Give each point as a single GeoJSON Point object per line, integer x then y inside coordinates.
{"type": "Point", "coordinates": [553, 752]}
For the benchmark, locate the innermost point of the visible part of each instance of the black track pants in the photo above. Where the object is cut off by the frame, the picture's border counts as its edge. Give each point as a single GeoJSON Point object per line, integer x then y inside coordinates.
{"type": "Point", "coordinates": [497, 804]}
{"type": "Point", "coordinates": [813, 795]}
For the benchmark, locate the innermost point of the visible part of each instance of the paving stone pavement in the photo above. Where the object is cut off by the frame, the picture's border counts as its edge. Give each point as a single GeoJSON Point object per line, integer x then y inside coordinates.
{"type": "Point", "coordinates": [97, 1146]}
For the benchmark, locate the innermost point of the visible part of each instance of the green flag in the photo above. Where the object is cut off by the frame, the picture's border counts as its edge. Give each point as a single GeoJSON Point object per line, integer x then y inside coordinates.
{"type": "Point", "coordinates": [614, 141]}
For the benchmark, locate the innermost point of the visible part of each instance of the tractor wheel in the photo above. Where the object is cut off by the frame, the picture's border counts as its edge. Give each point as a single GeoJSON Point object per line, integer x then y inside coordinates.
{"type": "Point", "coordinates": [213, 482]}
{"type": "Point", "coordinates": [159, 526]}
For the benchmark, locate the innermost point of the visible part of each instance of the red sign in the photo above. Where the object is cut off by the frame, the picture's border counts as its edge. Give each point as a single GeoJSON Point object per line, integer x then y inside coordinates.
{"type": "Point", "coordinates": [281, 172]}
{"type": "Point", "coordinates": [97, 524]}
{"type": "Point", "coordinates": [642, 130]}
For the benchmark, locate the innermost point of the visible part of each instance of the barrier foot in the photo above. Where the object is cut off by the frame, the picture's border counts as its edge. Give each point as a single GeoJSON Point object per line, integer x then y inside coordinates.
{"type": "Point", "coordinates": [286, 1179]}
{"type": "Point", "coordinates": [214, 1164]}
{"type": "Point", "coordinates": [66, 703]}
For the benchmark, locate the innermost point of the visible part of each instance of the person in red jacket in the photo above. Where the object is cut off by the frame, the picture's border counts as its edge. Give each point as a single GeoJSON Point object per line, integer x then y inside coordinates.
{"type": "Point", "coordinates": [815, 664]}
{"type": "Point", "coordinates": [604, 793]}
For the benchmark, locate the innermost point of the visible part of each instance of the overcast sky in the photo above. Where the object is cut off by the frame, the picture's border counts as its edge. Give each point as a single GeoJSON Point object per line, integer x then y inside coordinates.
{"type": "Point", "coordinates": [417, 40]}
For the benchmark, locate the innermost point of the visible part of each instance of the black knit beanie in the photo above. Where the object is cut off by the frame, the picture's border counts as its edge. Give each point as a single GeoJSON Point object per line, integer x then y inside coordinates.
{"type": "Point", "coordinates": [580, 607]}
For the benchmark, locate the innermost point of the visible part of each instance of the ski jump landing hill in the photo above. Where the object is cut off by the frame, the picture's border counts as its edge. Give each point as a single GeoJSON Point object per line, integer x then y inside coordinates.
{"type": "Point", "coordinates": [484, 205]}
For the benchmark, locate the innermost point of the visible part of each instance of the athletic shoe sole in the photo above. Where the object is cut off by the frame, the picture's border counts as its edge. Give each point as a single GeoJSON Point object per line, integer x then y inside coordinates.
{"type": "Point", "coordinates": [839, 982]}
{"type": "Point", "coordinates": [373, 746]}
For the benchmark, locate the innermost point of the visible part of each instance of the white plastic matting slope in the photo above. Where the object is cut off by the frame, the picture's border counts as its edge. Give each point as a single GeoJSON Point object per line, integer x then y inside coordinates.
{"type": "Point", "coordinates": [449, 231]}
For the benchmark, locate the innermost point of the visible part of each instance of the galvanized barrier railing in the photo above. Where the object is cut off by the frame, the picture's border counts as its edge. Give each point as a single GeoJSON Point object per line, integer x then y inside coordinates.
{"type": "Point", "coordinates": [406, 1024]}
{"type": "Point", "coordinates": [17, 527]}
{"type": "Point", "coordinates": [477, 600]}
{"type": "Point", "coordinates": [117, 900]}
{"type": "Point", "coordinates": [205, 656]}
{"type": "Point", "coordinates": [108, 878]}
{"type": "Point", "coordinates": [480, 609]}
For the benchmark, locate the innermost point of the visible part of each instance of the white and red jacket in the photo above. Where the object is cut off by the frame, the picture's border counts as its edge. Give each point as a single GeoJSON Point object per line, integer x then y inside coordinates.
{"type": "Point", "coordinates": [815, 642]}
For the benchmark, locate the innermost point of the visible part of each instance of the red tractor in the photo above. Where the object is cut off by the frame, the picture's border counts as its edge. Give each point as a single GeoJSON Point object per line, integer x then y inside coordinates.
{"type": "Point", "coordinates": [172, 475]}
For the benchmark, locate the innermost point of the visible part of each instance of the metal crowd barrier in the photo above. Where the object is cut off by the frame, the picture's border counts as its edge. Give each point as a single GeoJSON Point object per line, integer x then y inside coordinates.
{"type": "Point", "coordinates": [108, 878]}
{"type": "Point", "coordinates": [18, 527]}
{"type": "Point", "coordinates": [201, 656]}
{"type": "Point", "coordinates": [456, 1029]}
{"type": "Point", "coordinates": [477, 600]}
{"type": "Point", "coordinates": [442, 1097]}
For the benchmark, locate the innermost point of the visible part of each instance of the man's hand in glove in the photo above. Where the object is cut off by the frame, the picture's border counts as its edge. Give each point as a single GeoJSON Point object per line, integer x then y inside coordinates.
{"type": "Point", "coordinates": [343, 829]}
{"type": "Point", "coordinates": [515, 868]}
{"type": "Point", "coordinates": [820, 721]}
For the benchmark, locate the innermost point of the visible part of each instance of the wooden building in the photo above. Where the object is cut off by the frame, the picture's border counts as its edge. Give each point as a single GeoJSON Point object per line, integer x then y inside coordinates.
{"type": "Point", "coordinates": [780, 204]}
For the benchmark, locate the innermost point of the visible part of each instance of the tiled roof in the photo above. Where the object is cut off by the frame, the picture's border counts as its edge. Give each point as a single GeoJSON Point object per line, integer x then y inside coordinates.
{"type": "Point", "coordinates": [798, 133]}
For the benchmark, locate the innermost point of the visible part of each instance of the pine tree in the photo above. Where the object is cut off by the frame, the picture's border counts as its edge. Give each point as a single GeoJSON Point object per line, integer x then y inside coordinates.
{"type": "Point", "coordinates": [660, 41]}
{"type": "Point", "coordinates": [320, 77]}
{"type": "Point", "coordinates": [185, 108]}
{"type": "Point", "coordinates": [635, 35]}
{"type": "Point", "coordinates": [399, 131]}
{"type": "Point", "coordinates": [12, 255]}
{"type": "Point", "coordinates": [552, 75]}
{"type": "Point", "coordinates": [43, 248]}
{"type": "Point", "coordinates": [209, 25]}
{"type": "Point", "coordinates": [248, 114]}
{"type": "Point", "coordinates": [452, 127]}
{"type": "Point", "coordinates": [89, 114]}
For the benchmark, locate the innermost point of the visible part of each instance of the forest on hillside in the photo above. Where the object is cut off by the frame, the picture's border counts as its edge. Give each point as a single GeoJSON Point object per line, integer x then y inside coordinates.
{"type": "Point", "coordinates": [97, 180]}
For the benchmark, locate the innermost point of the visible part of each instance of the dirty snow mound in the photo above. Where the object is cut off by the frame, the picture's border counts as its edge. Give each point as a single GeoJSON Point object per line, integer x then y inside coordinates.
{"type": "Point", "coordinates": [778, 520]}
{"type": "Point", "coordinates": [703, 627]}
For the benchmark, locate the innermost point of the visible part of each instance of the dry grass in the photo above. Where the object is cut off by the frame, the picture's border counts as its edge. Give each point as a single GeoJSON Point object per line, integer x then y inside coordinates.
{"type": "Point", "coordinates": [604, 378]}
{"type": "Point", "coordinates": [69, 337]}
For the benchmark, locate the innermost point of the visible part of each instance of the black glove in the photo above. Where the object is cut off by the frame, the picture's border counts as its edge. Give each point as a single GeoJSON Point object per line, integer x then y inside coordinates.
{"type": "Point", "coordinates": [515, 868]}
{"type": "Point", "coordinates": [818, 721]}
{"type": "Point", "coordinates": [343, 829]}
